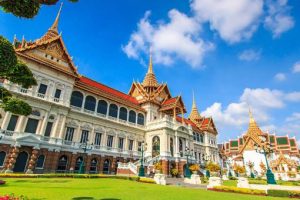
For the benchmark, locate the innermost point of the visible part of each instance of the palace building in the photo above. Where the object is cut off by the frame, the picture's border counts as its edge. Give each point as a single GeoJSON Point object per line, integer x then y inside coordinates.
{"type": "Point", "coordinates": [78, 120]}
{"type": "Point", "coordinates": [282, 153]}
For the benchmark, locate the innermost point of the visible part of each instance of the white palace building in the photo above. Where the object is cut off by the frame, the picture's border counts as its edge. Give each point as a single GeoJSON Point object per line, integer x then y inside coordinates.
{"type": "Point", "coordinates": [71, 111]}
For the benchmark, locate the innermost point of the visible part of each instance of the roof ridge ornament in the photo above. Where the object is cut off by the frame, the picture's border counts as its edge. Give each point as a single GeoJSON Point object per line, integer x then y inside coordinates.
{"type": "Point", "coordinates": [150, 78]}
{"type": "Point", "coordinates": [54, 26]}
{"type": "Point", "coordinates": [194, 115]}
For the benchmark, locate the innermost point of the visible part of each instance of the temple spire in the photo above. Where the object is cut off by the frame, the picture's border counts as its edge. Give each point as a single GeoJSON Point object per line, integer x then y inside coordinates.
{"type": "Point", "coordinates": [150, 79]}
{"type": "Point", "coordinates": [194, 115]}
{"type": "Point", "coordinates": [54, 26]}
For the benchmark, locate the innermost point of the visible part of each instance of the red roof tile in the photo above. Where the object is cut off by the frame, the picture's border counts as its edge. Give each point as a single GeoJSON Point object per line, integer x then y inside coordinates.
{"type": "Point", "coordinates": [107, 89]}
{"type": "Point", "coordinates": [170, 101]}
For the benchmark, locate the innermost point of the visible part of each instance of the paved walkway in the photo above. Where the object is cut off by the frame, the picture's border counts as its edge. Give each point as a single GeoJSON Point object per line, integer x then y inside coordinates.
{"type": "Point", "coordinates": [180, 182]}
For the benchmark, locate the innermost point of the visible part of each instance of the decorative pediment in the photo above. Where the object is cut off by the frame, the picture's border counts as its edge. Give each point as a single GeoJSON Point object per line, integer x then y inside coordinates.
{"type": "Point", "coordinates": [28, 138]}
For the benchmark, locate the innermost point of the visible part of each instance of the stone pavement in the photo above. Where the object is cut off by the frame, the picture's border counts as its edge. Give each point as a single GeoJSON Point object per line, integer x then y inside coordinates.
{"type": "Point", "coordinates": [180, 182]}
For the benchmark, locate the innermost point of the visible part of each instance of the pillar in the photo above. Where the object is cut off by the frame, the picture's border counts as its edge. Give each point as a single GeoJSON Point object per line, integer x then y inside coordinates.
{"type": "Point", "coordinates": [12, 160]}
{"type": "Point", "coordinates": [5, 120]}
{"type": "Point", "coordinates": [44, 124]}
{"type": "Point", "coordinates": [62, 127]}
{"type": "Point", "coordinates": [32, 161]}
{"type": "Point", "coordinates": [165, 167]}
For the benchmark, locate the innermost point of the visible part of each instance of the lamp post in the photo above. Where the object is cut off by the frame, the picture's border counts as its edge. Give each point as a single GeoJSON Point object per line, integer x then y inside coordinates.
{"type": "Point", "coordinates": [142, 169]}
{"type": "Point", "coordinates": [265, 148]}
{"type": "Point", "coordinates": [188, 153]}
{"type": "Point", "coordinates": [84, 146]}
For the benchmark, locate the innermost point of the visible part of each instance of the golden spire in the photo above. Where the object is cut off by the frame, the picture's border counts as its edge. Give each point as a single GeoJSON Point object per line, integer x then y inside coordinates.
{"type": "Point", "coordinates": [194, 115]}
{"type": "Point", "coordinates": [150, 79]}
{"type": "Point", "coordinates": [54, 26]}
{"type": "Point", "coordinates": [253, 128]}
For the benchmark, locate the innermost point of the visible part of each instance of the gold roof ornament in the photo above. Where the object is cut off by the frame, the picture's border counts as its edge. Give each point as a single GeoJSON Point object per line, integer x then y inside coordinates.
{"type": "Point", "coordinates": [53, 30]}
{"type": "Point", "coordinates": [150, 79]}
{"type": "Point", "coordinates": [194, 115]}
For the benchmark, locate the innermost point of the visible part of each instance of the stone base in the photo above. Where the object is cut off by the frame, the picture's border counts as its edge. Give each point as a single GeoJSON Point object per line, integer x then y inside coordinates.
{"type": "Point", "coordinates": [243, 182]}
{"type": "Point", "coordinates": [214, 181]}
{"type": "Point", "coordinates": [29, 171]}
{"type": "Point", "coordinates": [195, 179]}
{"type": "Point", "coordinates": [225, 178]}
{"type": "Point", "coordinates": [160, 179]}
{"type": "Point", "coordinates": [8, 171]}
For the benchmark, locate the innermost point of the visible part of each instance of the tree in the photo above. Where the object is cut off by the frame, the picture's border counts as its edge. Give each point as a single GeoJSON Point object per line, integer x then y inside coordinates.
{"type": "Point", "coordinates": [16, 72]}
{"type": "Point", "coordinates": [26, 8]}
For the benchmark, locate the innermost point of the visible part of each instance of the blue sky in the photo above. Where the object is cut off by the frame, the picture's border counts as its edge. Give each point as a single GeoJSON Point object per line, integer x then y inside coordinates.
{"type": "Point", "coordinates": [231, 53]}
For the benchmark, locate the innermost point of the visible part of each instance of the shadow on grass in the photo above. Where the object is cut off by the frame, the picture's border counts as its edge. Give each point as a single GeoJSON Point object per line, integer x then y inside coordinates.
{"type": "Point", "coordinates": [92, 198]}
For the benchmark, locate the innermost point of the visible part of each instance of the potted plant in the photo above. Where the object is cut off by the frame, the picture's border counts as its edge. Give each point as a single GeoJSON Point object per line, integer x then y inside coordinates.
{"type": "Point", "coordinates": [174, 172]}
{"type": "Point", "coordinates": [158, 167]}
{"type": "Point", "coordinates": [213, 168]}
{"type": "Point", "coordinates": [194, 168]}
{"type": "Point", "coordinates": [240, 170]}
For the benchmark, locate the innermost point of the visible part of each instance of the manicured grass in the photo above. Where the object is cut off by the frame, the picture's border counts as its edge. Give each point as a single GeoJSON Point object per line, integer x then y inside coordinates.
{"type": "Point", "coordinates": [230, 183]}
{"type": "Point", "coordinates": [110, 189]}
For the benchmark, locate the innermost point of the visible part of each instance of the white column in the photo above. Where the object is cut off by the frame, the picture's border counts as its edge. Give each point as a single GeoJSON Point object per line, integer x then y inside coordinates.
{"type": "Point", "coordinates": [43, 125]}
{"type": "Point", "coordinates": [62, 127]}
{"type": "Point", "coordinates": [176, 144]}
{"type": "Point", "coordinates": [6, 120]}
{"type": "Point", "coordinates": [83, 102]}
{"type": "Point", "coordinates": [21, 122]}
{"type": "Point", "coordinates": [55, 128]}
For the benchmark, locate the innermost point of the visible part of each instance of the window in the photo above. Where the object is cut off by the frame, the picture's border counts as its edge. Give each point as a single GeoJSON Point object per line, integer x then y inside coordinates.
{"type": "Point", "coordinates": [98, 138]}
{"type": "Point", "coordinates": [57, 93]}
{"type": "Point", "coordinates": [42, 89]}
{"type": "Point", "coordinates": [194, 136]}
{"type": "Point", "coordinates": [132, 117]}
{"type": "Point", "coordinates": [12, 123]}
{"type": "Point", "coordinates": [93, 166]}
{"type": "Point", "coordinates": [113, 110]}
{"type": "Point", "coordinates": [102, 107]}
{"type": "Point", "coordinates": [84, 136]}
{"type": "Point", "coordinates": [31, 125]}
{"type": "Point", "coordinates": [198, 137]}
{"type": "Point", "coordinates": [201, 138]}
{"type": "Point", "coordinates": [90, 103]}
{"type": "Point", "coordinates": [155, 146]}
{"type": "Point", "coordinates": [171, 147]}
{"type": "Point", "coordinates": [195, 155]}
{"type": "Point", "coordinates": [123, 113]}
{"type": "Point", "coordinates": [121, 143]}
{"type": "Point", "coordinates": [62, 164]}
{"type": "Point", "coordinates": [140, 146]}
{"type": "Point", "coordinates": [79, 160]}
{"type": "Point", "coordinates": [69, 134]}
{"type": "Point", "coordinates": [141, 119]}
{"type": "Point", "coordinates": [2, 157]}
{"type": "Point", "coordinates": [76, 99]}
{"type": "Point", "coordinates": [40, 162]}
{"type": "Point", "coordinates": [130, 146]}
{"type": "Point", "coordinates": [48, 129]}
{"type": "Point", "coordinates": [110, 139]}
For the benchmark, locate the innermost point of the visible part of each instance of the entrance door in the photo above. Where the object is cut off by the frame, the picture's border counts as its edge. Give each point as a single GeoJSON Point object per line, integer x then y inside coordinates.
{"type": "Point", "coordinates": [106, 166]}
{"type": "Point", "coordinates": [21, 162]}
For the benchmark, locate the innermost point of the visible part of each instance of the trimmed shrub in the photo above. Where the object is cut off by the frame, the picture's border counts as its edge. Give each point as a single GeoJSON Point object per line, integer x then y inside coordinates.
{"type": "Point", "coordinates": [239, 190]}
{"type": "Point", "coordinates": [278, 193]}
{"type": "Point", "coordinates": [146, 180]}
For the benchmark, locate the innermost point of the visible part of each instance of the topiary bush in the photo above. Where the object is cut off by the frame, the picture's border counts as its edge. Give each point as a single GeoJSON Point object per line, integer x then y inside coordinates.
{"type": "Point", "coordinates": [278, 193]}
{"type": "Point", "coordinates": [17, 106]}
{"type": "Point", "coordinates": [8, 57]}
{"type": "Point", "coordinates": [239, 190]}
{"type": "Point", "coordinates": [21, 8]}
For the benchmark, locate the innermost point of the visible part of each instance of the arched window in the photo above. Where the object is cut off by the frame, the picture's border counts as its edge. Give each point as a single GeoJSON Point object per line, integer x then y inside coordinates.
{"type": "Point", "coordinates": [180, 147]}
{"type": "Point", "coordinates": [106, 166]}
{"type": "Point", "coordinates": [79, 160]}
{"type": "Point", "coordinates": [141, 119]}
{"type": "Point", "coordinates": [76, 99]}
{"type": "Point", "coordinates": [36, 113]}
{"type": "Point", "coordinates": [113, 110]}
{"type": "Point", "coordinates": [102, 107]}
{"type": "Point", "coordinates": [90, 103]}
{"type": "Point", "coordinates": [40, 161]}
{"type": "Point", "coordinates": [171, 147]}
{"type": "Point", "coordinates": [155, 146]}
{"type": "Point", "coordinates": [62, 164]}
{"type": "Point", "coordinates": [123, 114]}
{"type": "Point", "coordinates": [93, 167]}
{"type": "Point", "coordinates": [132, 116]}
{"type": "Point", "coordinates": [2, 158]}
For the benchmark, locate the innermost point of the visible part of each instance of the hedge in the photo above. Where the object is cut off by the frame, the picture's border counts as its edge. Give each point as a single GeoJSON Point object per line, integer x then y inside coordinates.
{"type": "Point", "coordinates": [284, 193]}
{"type": "Point", "coordinates": [238, 190]}
{"type": "Point", "coordinates": [146, 180]}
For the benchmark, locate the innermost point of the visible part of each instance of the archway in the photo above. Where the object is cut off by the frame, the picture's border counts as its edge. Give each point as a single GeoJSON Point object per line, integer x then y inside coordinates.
{"type": "Point", "coordinates": [106, 166]}
{"type": "Point", "coordinates": [62, 164]}
{"type": "Point", "coordinates": [93, 166]}
{"type": "Point", "coordinates": [21, 162]}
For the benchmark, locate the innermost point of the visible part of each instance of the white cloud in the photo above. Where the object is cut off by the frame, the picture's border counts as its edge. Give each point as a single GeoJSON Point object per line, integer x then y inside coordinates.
{"type": "Point", "coordinates": [278, 19]}
{"type": "Point", "coordinates": [261, 100]}
{"type": "Point", "coordinates": [234, 20]}
{"type": "Point", "coordinates": [177, 39]}
{"type": "Point", "coordinates": [280, 77]}
{"type": "Point", "coordinates": [250, 55]}
{"type": "Point", "coordinates": [293, 96]}
{"type": "Point", "coordinates": [296, 67]}
{"type": "Point", "coordinates": [294, 117]}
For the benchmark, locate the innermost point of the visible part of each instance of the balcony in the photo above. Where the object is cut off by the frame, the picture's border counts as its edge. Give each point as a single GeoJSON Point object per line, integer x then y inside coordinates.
{"type": "Point", "coordinates": [32, 93]}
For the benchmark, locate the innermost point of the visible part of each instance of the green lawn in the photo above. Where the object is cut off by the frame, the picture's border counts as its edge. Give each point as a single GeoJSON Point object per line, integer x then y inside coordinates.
{"type": "Point", "coordinates": [109, 189]}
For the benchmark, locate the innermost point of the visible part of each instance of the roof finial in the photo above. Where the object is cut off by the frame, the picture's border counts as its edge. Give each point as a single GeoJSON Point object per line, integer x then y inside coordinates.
{"type": "Point", "coordinates": [54, 26]}
{"type": "Point", "coordinates": [250, 115]}
{"type": "Point", "coordinates": [194, 115]}
{"type": "Point", "coordinates": [15, 40]}
{"type": "Point", "coordinates": [150, 79]}
{"type": "Point", "coordinates": [194, 101]}
{"type": "Point", "coordinates": [150, 69]}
